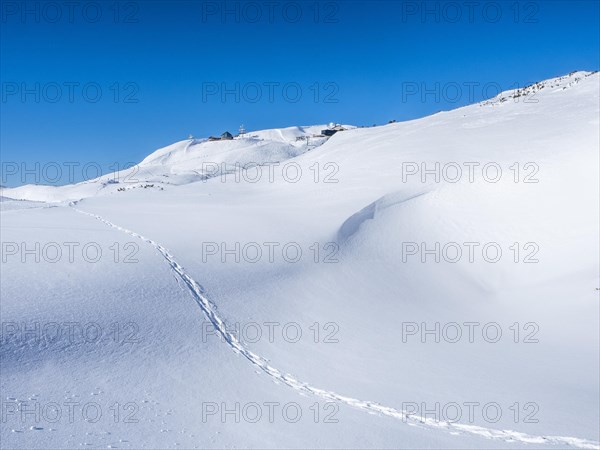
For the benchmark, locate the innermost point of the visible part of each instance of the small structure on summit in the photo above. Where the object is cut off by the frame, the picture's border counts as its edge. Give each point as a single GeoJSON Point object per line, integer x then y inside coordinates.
{"type": "Point", "coordinates": [332, 130]}
{"type": "Point", "coordinates": [227, 136]}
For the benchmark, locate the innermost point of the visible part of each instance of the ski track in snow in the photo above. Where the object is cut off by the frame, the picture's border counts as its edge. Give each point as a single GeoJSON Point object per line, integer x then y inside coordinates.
{"type": "Point", "coordinates": [210, 312]}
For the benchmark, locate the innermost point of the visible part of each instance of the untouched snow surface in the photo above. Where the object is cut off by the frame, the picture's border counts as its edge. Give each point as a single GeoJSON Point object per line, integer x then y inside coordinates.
{"type": "Point", "coordinates": [369, 377]}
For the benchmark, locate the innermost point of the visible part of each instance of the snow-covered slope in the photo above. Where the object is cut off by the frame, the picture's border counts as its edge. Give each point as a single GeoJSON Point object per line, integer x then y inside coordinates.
{"type": "Point", "coordinates": [185, 162]}
{"type": "Point", "coordinates": [371, 291]}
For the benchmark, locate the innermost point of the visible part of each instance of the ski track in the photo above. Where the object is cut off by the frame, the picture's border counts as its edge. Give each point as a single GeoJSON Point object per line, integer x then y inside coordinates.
{"type": "Point", "coordinates": [210, 312]}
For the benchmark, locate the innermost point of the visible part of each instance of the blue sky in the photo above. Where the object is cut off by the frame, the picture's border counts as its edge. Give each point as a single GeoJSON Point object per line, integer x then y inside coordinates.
{"type": "Point", "coordinates": [109, 82]}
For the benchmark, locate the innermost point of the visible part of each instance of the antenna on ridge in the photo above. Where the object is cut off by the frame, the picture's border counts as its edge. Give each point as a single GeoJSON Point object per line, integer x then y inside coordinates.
{"type": "Point", "coordinates": [242, 130]}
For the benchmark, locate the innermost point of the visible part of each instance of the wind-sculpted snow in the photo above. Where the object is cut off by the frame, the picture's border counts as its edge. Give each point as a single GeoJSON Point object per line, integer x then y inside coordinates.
{"type": "Point", "coordinates": [354, 222]}
{"type": "Point", "coordinates": [209, 310]}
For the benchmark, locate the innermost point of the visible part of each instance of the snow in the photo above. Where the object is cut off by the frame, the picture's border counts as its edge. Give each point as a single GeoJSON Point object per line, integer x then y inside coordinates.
{"type": "Point", "coordinates": [186, 162]}
{"type": "Point", "coordinates": [373, 213]}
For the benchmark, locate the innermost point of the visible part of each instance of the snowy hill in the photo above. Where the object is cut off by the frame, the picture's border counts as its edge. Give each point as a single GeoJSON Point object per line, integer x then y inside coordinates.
{"type": "Point", "coordinates": [446, 290]}
{"type": "Point", "coordinates": [186, 162]}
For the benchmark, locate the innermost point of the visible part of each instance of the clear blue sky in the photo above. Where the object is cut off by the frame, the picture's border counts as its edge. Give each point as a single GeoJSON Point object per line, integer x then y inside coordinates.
{"type": "Point", "coordinates": [360, 57]}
